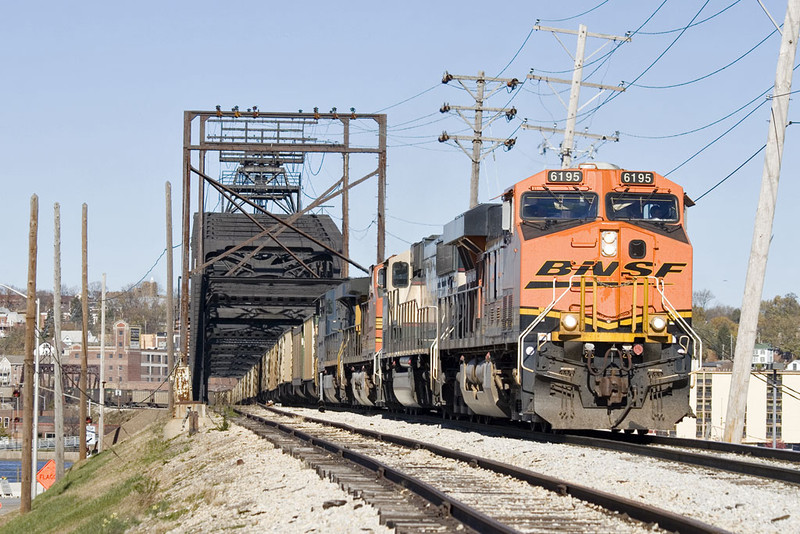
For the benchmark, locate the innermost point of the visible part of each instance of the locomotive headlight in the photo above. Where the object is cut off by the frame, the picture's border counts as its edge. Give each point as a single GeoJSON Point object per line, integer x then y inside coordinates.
{"type": "Point", "coordinates": [658, 323]}
{"type": "Point", "coordinates": [569, 322]}
{"type": "Point", "coordinates": [609, 243]}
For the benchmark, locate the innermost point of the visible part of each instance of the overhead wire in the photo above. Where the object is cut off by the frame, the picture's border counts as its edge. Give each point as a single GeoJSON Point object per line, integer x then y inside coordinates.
{"type": "Point", "coordinates": [723, 10]}
{"type": "Point", "coordinates": [578, 15]}
{"type": "Point", "coordinates": [720, 136]}
{"type": "Point", "coordinates": [757, 152]}
{"type": "Point", "coordinates": [611, 97]}
{"type": "Point", "coordinates": [517, 53]}
{"type": "Point", "coordinates": [681, 84]}
{"type": "Point", "coordinates": [408, 99]}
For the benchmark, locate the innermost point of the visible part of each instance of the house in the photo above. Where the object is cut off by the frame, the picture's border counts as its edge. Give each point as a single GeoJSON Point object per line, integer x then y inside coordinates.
{"type": "Point", "coordinates": [10, 319]}
{"type": "Point", "coordinates": [763, 354]}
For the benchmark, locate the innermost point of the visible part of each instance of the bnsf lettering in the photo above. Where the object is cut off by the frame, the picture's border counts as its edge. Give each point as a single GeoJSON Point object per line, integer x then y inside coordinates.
{"type": "Point", "coordinates": [634, 268]}
{"type": "Point", "coordinates": [555, 268]}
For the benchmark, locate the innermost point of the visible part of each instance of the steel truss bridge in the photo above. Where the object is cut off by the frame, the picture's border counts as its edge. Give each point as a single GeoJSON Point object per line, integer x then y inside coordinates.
{"type": "Point", "coordinates": [259, 263]}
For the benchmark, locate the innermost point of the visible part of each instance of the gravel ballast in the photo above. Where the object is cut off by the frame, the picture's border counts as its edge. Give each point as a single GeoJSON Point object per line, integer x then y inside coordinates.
{"type": "Point", "coordinates": [234, 480]}
{"type": "Point", "coordinates": [733, 502]}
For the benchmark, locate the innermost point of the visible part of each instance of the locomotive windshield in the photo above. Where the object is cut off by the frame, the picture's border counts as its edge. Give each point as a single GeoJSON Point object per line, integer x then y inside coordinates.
{"type": "Point", "coordinates": [558, 205]}
{"type": "Point", "coordinates": [642, 207]}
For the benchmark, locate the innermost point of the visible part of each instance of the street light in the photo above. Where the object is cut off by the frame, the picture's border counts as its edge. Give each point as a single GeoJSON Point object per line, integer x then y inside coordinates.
{"type": "Point", "coordinates": [34, 467]}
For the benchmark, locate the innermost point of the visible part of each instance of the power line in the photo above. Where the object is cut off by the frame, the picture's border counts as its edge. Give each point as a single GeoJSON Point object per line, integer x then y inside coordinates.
{"type": "Point", "coordinates": [723, 10]}
{"type": "Point", "coordinates": [578, 15]}
{"type": "Point", "coordinates": [681, 84]}
{"type": "Point", "coordinates": [407, 99]}
{"type": "Point", "coordinates": [518, 51]}
{"type": "Point", "coordinates": [414, 222]}
{"type": "Point", "coordinates": [687, 132]}
{"type": "Point", "coordinates": [723, 134]}
{"type": "Point", "coordinates": [656, 60]}
{"type": "Point", "coordinates": [613, 96]}
{"type": "Point", "coordinates": [757, 152]}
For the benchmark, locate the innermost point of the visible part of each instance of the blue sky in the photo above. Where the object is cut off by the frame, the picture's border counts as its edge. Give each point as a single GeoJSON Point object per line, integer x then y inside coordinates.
{"type": "Point", "coordinates": [93, 97]}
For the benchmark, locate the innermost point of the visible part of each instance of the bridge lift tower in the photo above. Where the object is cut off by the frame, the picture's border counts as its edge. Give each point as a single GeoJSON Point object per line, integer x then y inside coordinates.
{"type": "Point", "coordinates": [255, 265]}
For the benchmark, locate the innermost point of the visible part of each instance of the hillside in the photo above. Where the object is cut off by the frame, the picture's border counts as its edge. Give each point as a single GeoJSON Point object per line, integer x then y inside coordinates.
{"type": "Point", "coordinates": [218, 479]}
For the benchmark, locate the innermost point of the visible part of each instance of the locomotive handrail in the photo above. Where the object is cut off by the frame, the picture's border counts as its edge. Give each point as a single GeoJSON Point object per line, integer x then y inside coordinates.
{"type": "Point", "coordinates": [698, 343]}
{"type": "Point", "coordinates": [433, 351]}
{"type": "Point", "coordinates": [377, 372]}
{"type": "Point", "coordinates": [534, 323]}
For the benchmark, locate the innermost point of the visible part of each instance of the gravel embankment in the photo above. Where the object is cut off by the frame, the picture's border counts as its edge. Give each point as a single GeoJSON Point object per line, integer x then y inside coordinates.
{"type": "Point", "coordinates": [734, 502]}
{"type": "Point", "coordinates": [234, 480]}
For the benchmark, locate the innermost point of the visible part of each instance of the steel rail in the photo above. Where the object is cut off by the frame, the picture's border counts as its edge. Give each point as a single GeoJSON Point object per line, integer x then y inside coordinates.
{"type": "Point", "coordinates": [770, 472]}
{"type": "Point", "coordinates": [453, 507]}
{"type": "Point", "coordinates": [635, 510]}
{"type": "Point", "coordinates": [769, 453]}
{"type": "Point", "coordinates": [626, 443]}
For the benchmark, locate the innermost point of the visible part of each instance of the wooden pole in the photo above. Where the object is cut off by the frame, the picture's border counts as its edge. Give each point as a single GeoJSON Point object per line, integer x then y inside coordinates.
{"type": "Point", "coordinates": [381, 188]}
{"type": "Point", "coordinates": [762, 231]}
{"type": "Point", "coordinates": [85, 337]}
{"type": "Point", "coordinates": [30, 341]}
{"type": "Point", "coordinates": [346, 198]}
{"type": "Point", "coordinates": [170, 304]}
{"type": "Point", "coordinates": [101, 423]}
{"type": "Point", "coordinates": [59, 385]}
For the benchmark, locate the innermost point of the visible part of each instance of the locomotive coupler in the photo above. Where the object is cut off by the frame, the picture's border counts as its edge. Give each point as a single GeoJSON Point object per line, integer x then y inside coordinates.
{"type": "Point", "coordinates": [612, 386]}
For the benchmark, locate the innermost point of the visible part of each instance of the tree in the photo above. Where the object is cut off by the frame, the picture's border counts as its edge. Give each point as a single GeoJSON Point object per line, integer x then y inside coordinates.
{"type": "Point", "coordinates": [140, 308]}
{"type": "Point", "coordinates": [76, 313]}
{"type": "Point", "coordinates": [14, 340]}
{"type": "Point", "coordinates": [48, 330]}
{"type": "Point", "coordinates": [702, 298]}
{"type": "Point", "coordinates": [779, 323]}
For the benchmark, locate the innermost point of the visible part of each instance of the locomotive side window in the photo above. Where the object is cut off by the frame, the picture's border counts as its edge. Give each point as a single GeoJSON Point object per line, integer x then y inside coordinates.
{"type": "Point", "coordinates": [538, 205]}
{"type": "Point", "coordinates": [642, 207]}
{"type": "Point", "coordinates": [400, 274]}
{"type": "Point", "coordinates": [382, 278]}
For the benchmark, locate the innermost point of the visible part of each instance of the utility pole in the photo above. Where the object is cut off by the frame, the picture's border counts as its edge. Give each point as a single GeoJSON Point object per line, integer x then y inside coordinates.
{"type": "Point", "coordinates": [170, 304]}
{"type": "Point", "coordinates": [101, 429]}
{"type": "Point", "coordinates": [27, 388]}
{"type": "Point", "coordinates": [762, 231]}
{"type": "Point", "coordinates": [567, 146]}
{"type": "Point", "coordinates": [346, 197]}
{"type": "Point", "coordinates": [59, 385]}
{"type": "Point", "coordinates": [36, 358]}
{"type": "Point", "coordinates": [82, 382]}
{"type": "Point", "coordinates": [477, 124]}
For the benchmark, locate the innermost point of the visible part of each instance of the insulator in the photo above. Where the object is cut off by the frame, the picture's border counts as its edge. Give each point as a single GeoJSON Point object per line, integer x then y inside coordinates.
{"type": "Point", "coordinates": [316, 113]}
{"type": "Point", "coordinates": [445, 108]}
{"type": "Point", "coordinates": [444, 137]}
{"type": "Point", "coordinates": [511, 113]}
{"type": "Point", "coordinates": [509, 143]}
{"type": "Point", "coordinates": [219, 111]}
{"type": "Point", "coordinates": [352, 113]}
{"type": "Point", "coordinates": [447, 77]}
{"type": "Point", "coordinates": [335, 115]}
{"type": "Point", "coordinates": [513, 83]}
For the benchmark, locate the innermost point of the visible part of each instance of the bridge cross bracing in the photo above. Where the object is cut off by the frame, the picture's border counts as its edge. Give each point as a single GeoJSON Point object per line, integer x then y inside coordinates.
{"type": "Point", "coordinates": [260, 261]}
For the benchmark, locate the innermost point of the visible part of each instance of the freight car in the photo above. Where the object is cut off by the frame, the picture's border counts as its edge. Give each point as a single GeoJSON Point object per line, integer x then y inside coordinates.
{"type": "Point", "coordinates": [567, 306]}
{"type": "Point", "coordinates": [130, 398]}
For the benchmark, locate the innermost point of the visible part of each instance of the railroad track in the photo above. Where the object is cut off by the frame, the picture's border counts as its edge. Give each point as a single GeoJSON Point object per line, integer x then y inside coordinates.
{"type": "Point", "coordinates": [484, 495]}
{"type": "Point", "coordinates": [770, 464]}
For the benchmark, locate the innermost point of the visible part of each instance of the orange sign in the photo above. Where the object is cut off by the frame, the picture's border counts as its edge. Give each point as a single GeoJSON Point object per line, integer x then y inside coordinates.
{"type": "Point", "coordinates": [47, 474]}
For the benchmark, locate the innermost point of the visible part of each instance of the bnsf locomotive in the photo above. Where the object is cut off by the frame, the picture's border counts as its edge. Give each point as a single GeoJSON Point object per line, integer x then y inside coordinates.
{"type": "Point", "coordinates": [567, 306]}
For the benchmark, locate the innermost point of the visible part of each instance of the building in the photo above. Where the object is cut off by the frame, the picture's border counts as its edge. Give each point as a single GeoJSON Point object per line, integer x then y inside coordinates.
{"type": "Point", "coordinates": [9, 319]}
{"type": "Point", "coordinates": [770, 395]}
{"type": "Point", "coordinates": [763, 354]}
